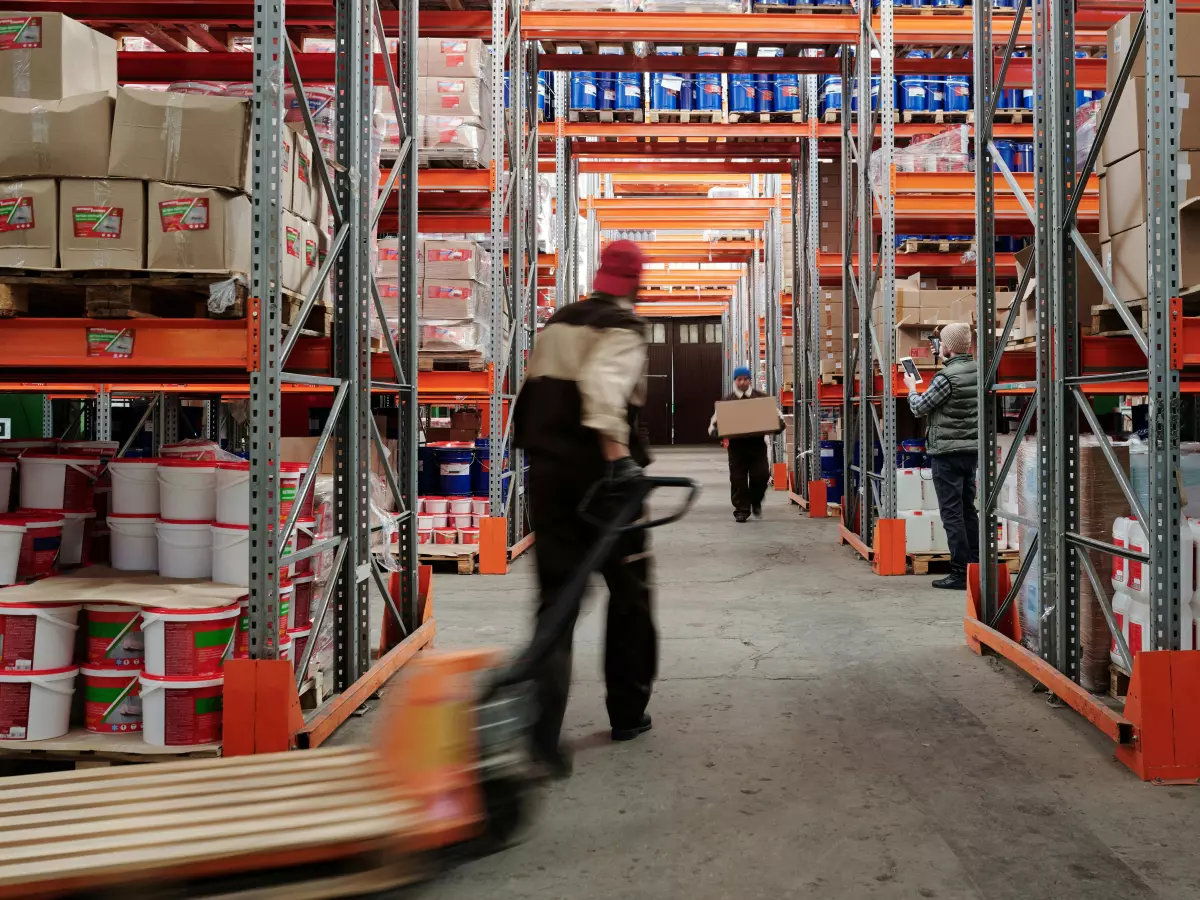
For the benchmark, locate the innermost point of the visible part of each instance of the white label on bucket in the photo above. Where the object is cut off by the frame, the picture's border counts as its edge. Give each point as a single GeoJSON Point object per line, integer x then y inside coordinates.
{"type": "Point", "coordinates": [456, 468]}
{"type": "Point", "coordinates": [5, 429]}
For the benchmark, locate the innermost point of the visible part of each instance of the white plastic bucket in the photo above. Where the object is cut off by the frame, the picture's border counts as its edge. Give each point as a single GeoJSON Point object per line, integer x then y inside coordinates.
{"type": "Point", "coordinates": [437, 505]}
{"type": "Point", "coordinates": [189, 642]}
{"type": "Point", "coordinates": [113, 636]}
{"type": "Point", "coordinates": [34, 637]}
{"type": "Point", "coordinates": [7, 467]}
{"type": "Point", "coordinates": [187, 490]}
{"type": "Point", "coordinates": [58, 481]}
{"type": "Point", "coordinates": [462, 520]}
{"type": "Point", "coordinates": [233, 493]}
{"type": "Point", "coordinates": [133, 542]}
{"type": "Point", "coordinates": [299, 638]}
{"type": "Point", "coordinates": [134, 486]}
{"type": "Point", "coordinates": [480, 506]}
{"type": "Point", "coordinates": [440, 520]}
{"type": "Point", "coordinates": [191, 450]}
{"type": "Point", "coordinates": [75, 528]}
{"type": "Point", "coordinates": [468, 535]}
{"type": "Point", "coordinates": [460, 505]}
{"type": "Point", "coordinates": [112, 702]}
{"type": "Point", "coordinates": [425, 522]}
{"type": "Point", "coordinates": [918, 530]}
{"type": "Point", "coordinates": [190, 716]}
{"type": "Point", "coordinates": [445, 536]}
{"type": "Point", "coordinates": [231, 554]}
{"type": "Point", "coordinates": [185, 548]}
{"type": "Point", "coordinates": [424, 535]}
{"type": "Point", "coordinates": [36, 705]}
{"type": "Point", "coordinates": [13, 449]}
{"type": "Point", "coordinates": [12, 533]}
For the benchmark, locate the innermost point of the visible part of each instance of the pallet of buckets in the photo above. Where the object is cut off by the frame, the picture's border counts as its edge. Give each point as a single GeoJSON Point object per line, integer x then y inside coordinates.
{"type": "Point", "coordinates": [118, 202]}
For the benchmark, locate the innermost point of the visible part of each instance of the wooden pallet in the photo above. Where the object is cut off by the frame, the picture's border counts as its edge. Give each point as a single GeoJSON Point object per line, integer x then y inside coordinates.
{"type": "Point", "coordinates": [1118, 681]}
{"type": "Point", "coordinates": [430, 159]}
{"type": "Point", "coordinates": [932, 11]}
{"type": "Point", "coordinates": [114, 294]}
{"type": "Point", "coordinates": [439, 361]}
{"type": "Point", "coordinates": [1021, 343]}
{"type": "Point", "coordinates": [935, 116]}
{"type": "Point", "coordinates": [1013, 116]}
{"type": "Point", "coordinates": [938, 245]}
{"type": "Point", "coordinates": [920, 562]}
{"type": "Point", "coordinates": [833, 116]}
{"type": "Point", "coordinates": [806, 10]}
{"type": "Point", "coordinates": [796, 116]}
{"type": "Point", "coordinates": [1107, 322]}
{"type": "Point", "coordinates": [464, 556]}
{"type": "Point", "coordinates": [715, 116]}
{"type": "Point", "coordinates": [606, 115]}
{"type": "Point", "coordinates": [88, 750]}
{"type": "Point", "coordinates": [316, 324]}
{"type": "Point", "coordinates": [252, 828]}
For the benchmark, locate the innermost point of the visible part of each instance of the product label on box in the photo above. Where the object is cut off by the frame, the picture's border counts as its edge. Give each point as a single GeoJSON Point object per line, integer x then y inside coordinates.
{"type": "Point", "coordinates": [114, 706]}
{"type": "Point", "coordinates": [448, 255]}
{"type": "Point", "coordinates": [447, 292]}
{"type": "Point", "coordinates": [389, 289]}
{"type": "Point", "coordinates": [21, 33]}
{"type": "Point", "coordinates": [197, 648]}
{"type": "Point", "coordinates": [14, 710]}
{"type": "Point", "coordinates": [184, 214]}
{"type": "Point", "coordinates": [98, 222]}
{"type": "Point", "coordinates": [16, 213]}
{"type": "Point", "coordinates": [451, 101]}
{"type": "Point", "coordinates": [310, 253]}
{"type": "Point", "coordinates": [304, 168]}
{"type": "Point", "coordinates": [114, 343]}
{"type": "Point", "coordinates": [1135, 638]}
{"type": "Point", "coordinates": [16, 641]}
{"type": "Point", "coordinates": [193, 715]}
{"type": "Point", "coordinates": [457, 86]}
{"type": "Point", "coordinates": [292, 236]}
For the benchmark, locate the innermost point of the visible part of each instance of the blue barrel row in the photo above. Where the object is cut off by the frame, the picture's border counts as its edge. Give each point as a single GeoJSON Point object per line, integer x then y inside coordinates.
{"type": "Point", "coordinates": [456, 469]}
{"type": "Point", "coordinates": [940, 93]}
{"type": "Point", "coordinates": [701, 91]}
{"type": "Point", "coordinates": [1004, 243]}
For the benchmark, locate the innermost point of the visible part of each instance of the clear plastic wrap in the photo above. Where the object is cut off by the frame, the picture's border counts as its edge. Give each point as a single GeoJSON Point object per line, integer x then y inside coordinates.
{"type": "Point", "coordinates": [585, 5]}
{"type": "Point", "coordinates": [455, 337]}
{"type": "Point", "coordinates": [696, 6]}
{"type": "Point", "coordinates": [948, 151]}
{"type": "Point", "coordinates": [461, 139]}
{"type": "Point", "coordinates": [1087, 119]}
{"type": "Point", "coordinates": [222, 295]}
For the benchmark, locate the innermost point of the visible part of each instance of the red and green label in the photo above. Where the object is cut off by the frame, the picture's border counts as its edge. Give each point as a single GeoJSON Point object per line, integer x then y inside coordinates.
{"type": "Point", "coordinates": [184, 214]}
{"type": "Point", "coordinates": [192, 715]}
{"type": "Point", "coordinates": [16, 213]}
{"type": "Point", "coordinates": [304, 168]}
{"type": "Point", "coordinates": [197, 648]}
{"type": "Point", "coordinates": [449, 254]}
{"type": "Point", "coordinates": [310, 253]}
{"type": "Point", "coordinates": [292, 236]}
{"type": "Point", "coordinates": [112, 343]}
{"type": "Point", "coordinates": [114, 639]}
{"type": "Point", "coordinates": [113, 706]}
{"type": "Point", "coordinates": [21, 33]}
{"type": "Point", "coordinates": [98, 222]}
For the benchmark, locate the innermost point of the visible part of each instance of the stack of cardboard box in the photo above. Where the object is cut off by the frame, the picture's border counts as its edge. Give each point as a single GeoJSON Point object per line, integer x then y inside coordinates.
{"type": "Point", "coordinates": [455, 295]}
{"type": "Point", "coordinates": [454, 101]}
{"type": "Point", "coordinates": [831, 347]}
{"type": "Point", "coordinates": [829, 213]}
{"type": "Point", "coordinates": [1123, 184]}
{"type": "Point", "coordinates": [93, 176]}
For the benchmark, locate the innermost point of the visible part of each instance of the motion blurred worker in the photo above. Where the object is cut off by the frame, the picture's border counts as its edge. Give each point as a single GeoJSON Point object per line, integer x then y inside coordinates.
{"type": "Point", "coordinates": [749, 469]}
{"type": "Point", "coordinates": [576, 418]}
{"type": "Point", "coordinates": [952, 406]}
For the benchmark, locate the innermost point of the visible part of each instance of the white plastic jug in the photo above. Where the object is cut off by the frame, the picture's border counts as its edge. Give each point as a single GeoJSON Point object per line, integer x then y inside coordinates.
{"type": "Point", "coordinates": [1120, 565]}
{"type": "Point", "coordinates": [908, 489]}
{"type": "Point", "coordinates": [1120, 608]}
{"type": "Point", "coordinates": [1140, 632]}
{"type": "Point", "coordinates": [918, 530]}
{"type": "Point", "coordinates": [941, 544]}
{"type": "Point", "coordinates": [929, 498]}
{"type": "Point", "coordinates": [1137, 583]}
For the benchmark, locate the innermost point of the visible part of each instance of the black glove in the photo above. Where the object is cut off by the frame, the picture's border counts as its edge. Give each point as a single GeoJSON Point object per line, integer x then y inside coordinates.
{"type": "Point", "coordinates": [622, 472]}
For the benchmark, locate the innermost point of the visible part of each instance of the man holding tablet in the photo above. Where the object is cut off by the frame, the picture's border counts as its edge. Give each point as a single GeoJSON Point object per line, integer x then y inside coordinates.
{"type": "Point", "coordinates": [952, 407]}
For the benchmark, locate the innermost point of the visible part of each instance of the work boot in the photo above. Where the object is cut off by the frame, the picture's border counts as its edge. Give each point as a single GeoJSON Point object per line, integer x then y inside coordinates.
{"type": "Point", "coordinates": [952, 582]}
{"type": "Point", "coordinates": [740, 518]}
{"type": "Point", "coordinates": [628, 734]}
{"type": "Point", "coordinates": [551, 765]}
{"type": "Point", "coordinates": [756, 510]}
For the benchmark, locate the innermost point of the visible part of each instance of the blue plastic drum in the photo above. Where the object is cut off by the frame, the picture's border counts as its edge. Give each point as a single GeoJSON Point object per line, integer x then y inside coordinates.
{"type": "Point", "coordinates": [629, 90]}
{"type": "Point", "coordinates": [583, 90]}
{"type": "Point", "coordinates": [606, 90]}
{"type": "Point", "coordinates": [1025, 159]}
{"type": "Point", "coordinates": [1008, 152]}
{"type": "Point", "coordinates": [831, 456]}
{"type": "Point", "coordinates": [1010, 99]}
{"type": "Point", "coordinates": [958, 93]}
{"type": "Point", "coordinates": [454, 468]}
{"type": "Point", "coordinates": [831, 93]}
{"type": "Point", "coordinates": [764, 93]}
{"type": "Point", "coordinates": [708, 90]}
{"type": "Point", "coordinates": [664, 90]}
{"type": "Point", "coordinates": [912, 93]}
{"type": "Point", "coordinates": [481, 468]}
{"type": "Point", "coordinates": [542, 93]}
{"type": "Point", "coordinates": [427, 471]}
{"type": "Point", "coordinates": [741, 93]}
{"type": "Point", "coordinates": [787, 92]}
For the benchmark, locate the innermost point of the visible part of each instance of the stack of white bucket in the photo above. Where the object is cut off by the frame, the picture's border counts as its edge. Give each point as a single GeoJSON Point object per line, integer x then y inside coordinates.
{"type": "Point", "coordinates": [1131, 583]}
{"type": "Point", "coordinates": [916, 503]}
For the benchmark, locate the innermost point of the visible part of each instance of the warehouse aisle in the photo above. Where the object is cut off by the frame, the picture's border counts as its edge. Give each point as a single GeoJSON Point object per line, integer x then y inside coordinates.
{"type": "Point", "coordinates": [819, 733]}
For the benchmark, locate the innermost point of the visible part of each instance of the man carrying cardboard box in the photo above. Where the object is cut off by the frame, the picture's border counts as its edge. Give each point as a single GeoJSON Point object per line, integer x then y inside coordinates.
{"type": "Point", "coordinates": [744, 426]}
{"type": "Point", "coordinates": [952, 406]}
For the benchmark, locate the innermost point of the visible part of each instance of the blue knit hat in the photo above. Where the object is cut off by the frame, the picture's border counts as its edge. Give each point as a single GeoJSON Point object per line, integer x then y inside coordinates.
{"type": "Point", "coordinates": [741, 372]}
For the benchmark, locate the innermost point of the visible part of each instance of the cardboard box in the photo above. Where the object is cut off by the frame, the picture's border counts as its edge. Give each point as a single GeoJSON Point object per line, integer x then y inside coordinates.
{"type": "Point", "coordinates": [287, 166]}
{"type": "Point", "coordinates": [454, 260]}
{"type": "Point", "coordinates": [1126, 200]}
{"type": "Point", "coordinates": [188, 138]}
{"type": "Point", "coordinates": [831, 237]}
{"type": "Point", "coordinates": [1127, 134]}
{"type": "Point", "coordinates": [101, 223]}
{"type": "Point", "coordinates": [301, 449]}
{"type": "Point", "coordinates": [1087, 289]}
{"type": "Point", "coordinates": [200, 229]}
{"type": "Point", "coordinates": [451, 57]}
{"type": "Point", "coordinates": [1125, 258]}
{"type": "Point", "coordinates": [831, 366]}
{"type": "Point", "coordinates": [1105, 235]}
{"type": "Point", "coordinates": [450, 300]}
{"type": "Point", "coordinates": [306, 189]}
{"type": "Point", "coordinates": [59, 138]}
{"type": "Point", "coordinates": [455, 96]}
{"type": "Point", "coordinates": [747, 418]}
{"type": "Point", "coordinates": [291, 259]}
{"type": "Point", "coordinates": [914, 341]}
{"type": "Point", "coordinates": [29, 224]}
{"type": "Point", "coordinates": [1187, 37]}
{"type": "Point", "coordinates": [49, 56]}
{"type": "Point", "coordinates": [311, 258]}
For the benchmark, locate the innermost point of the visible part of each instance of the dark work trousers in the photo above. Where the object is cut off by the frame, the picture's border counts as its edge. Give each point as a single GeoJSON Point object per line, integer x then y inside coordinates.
{"type": "Point", "coordinates": [954, 481]}
{"type": "Point", "coordinates": [748, 473]}
{"type": "Point", "coordinates": [630, 642]}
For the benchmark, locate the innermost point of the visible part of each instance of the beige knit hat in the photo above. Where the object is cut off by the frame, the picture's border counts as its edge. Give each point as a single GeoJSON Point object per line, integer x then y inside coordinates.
{"type": "Point", "coordinates": [956, 338]}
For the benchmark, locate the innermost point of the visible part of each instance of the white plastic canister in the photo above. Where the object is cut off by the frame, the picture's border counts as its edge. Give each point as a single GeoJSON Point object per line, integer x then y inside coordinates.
{"type": "Point", "coordinates": [37, 636]}
{"type": "Point", "coordinates": [231, 553]}
{"type": "Point", "coordinates": [187, 490]}
{"type": "Point", "coordinates": [134, 486]}
{"type": "Point", "coordinates": [918, 530]}
{"type": "Point", "coordinates": [233, 493]}
{"type": "Point", "coordinates": [184, 548]}
{"type": "Point", "coordinates": [133, 543]}
{"type": "Point", "coordinates": [7, 468]}
{"type": "Point", "coordinates": [38, 701]}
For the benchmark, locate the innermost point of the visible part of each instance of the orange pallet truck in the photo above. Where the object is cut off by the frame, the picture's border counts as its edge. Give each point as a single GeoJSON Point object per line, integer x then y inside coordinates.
{"type": "Point", "coordinates": [446, 774]}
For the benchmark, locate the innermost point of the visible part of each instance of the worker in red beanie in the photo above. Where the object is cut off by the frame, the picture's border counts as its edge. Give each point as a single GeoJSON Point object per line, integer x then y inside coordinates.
{"type": "Point", "coordinates": [576, 418]}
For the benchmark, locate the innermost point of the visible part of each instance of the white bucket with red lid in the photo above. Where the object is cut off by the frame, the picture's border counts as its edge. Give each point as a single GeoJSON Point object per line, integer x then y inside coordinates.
{"type": "Point", "coordinates": [299, 640]}
{"type": "Point", "coordinates": [461, 520]}
{"type": "Point", "coordinates": [187, 489]}
{"type": "Point", "coordinates": [134, 486]}
{"type": "Point", "coordinates": [291, 474]}
{"type": "Point", "coordinates": [112, 702]}
{"type": "Point", "coordinates": [58, 480]}
{"type": "Point", "coordinates": [424, 535]}
{"type": "Point", "coordinates": [188, 642]}
{"type": "Point", "coordinates": [133, 542]}
{"type": "Point", "coordinates": [302, 598]}
{"type": "Point", "coordinates": [233, 493]}
{"type": "Point", "coordinates": [480, 505]}
{"type": "Point", "coordinates": [231, 553]}
{"type": "Point", "coordinates": [460, 505]}
{"type": "Point", "coordinates": [196, 449]}
{"type": "Point", "coordinates": [76, 538]}
{"type": "Point", "coordinates": [445, 536]}
{"type": "Point", "coordinates": [7, 468]}
{"type": "Point", "coordinates": [436, 505]}
{"type": "Point", "coordinates": [179, 711]}
{"type": "Point", "coordinates": [41, 543]}
{"type": "Point", "coordinates": [35, 705]}
{"type": "Point", "coordinates": [12, 535]}
{"type": "Point", "coordinates": [468, 535]}
{"type": "Point", "coordinates": [113, 636]}
{"type": "Point", "coordinates": [37, 635]}
{"type": "Point", "coordinates": [185, 548]}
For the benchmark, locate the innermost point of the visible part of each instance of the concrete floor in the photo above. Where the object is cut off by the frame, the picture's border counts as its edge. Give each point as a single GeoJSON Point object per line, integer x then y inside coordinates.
{"type": "Point", "coordinates": [819, 733]}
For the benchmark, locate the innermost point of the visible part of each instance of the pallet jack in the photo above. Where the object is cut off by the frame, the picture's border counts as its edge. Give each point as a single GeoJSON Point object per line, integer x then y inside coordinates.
{"type": "Point", "coordinates": [448, 775]}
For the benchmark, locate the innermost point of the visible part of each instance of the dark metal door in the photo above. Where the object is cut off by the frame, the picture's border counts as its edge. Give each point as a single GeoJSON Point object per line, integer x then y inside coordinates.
{"type": "Point", "coordinates": [656, 414]}
{"type": "Point", "coordinates": [698, 352]}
